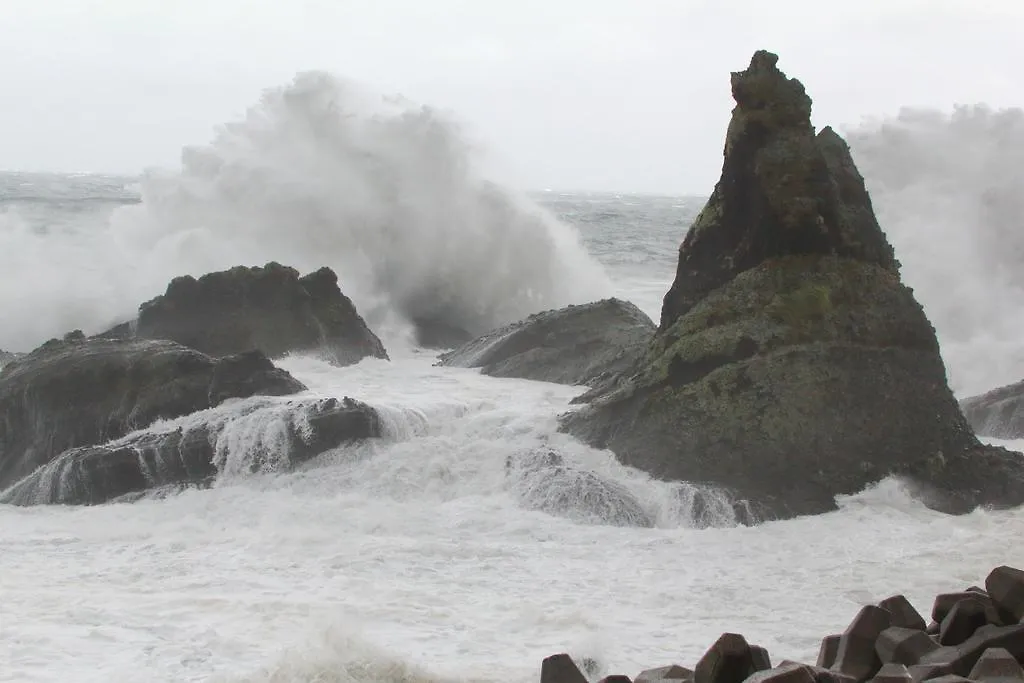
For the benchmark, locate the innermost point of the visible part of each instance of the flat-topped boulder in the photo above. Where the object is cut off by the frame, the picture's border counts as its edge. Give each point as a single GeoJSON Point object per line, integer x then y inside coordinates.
{"type": "Point", "coordinates": [583, 344]}
{"type": "Point", "coordinates": [270, 309]}
{"type": "Point", "coordinates": [791, 364]}
{"type": "Point", "coordinates": [998, 413]}
{"type": "Point", "coordinates": [84, 392]}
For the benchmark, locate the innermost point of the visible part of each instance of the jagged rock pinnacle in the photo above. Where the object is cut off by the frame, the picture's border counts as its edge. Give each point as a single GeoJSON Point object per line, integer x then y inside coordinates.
{"type": "Point", "coordinates": [783, 192]}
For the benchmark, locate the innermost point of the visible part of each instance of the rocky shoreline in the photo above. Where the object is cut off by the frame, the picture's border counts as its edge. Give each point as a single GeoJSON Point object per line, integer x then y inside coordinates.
{"type": "Point", "coordinates": [975, 635]}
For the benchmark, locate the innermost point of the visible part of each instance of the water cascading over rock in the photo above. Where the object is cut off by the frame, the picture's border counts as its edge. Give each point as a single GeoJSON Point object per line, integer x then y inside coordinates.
{"type": "Point", "coordinates": [791, 364]}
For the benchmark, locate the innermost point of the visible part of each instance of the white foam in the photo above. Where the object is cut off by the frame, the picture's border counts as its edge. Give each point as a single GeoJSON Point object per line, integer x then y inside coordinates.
{"type": "Point", "coordinates": [319, 172]}
{"type": "Point", "coordinates": [418, 553]}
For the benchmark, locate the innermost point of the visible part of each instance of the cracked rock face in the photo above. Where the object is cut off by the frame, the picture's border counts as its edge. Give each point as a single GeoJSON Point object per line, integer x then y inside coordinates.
{"type": "Point", "coordinates": [791, 364]}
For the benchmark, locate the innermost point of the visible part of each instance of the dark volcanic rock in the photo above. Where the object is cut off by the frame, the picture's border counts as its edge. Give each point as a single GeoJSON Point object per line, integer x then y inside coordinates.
{"type": "Point", "coordinates": [79, 392]}
{"type": "Point", "coordinates": [190, 454]}
{"type": "Point", "coordinates": [574, 345]}
{"type": "Point", "coordinates": [270, 309]}
{"type": "Point", "coordinates": [998, 413]}
{"type": "Point", "coordinates": [791, 364]}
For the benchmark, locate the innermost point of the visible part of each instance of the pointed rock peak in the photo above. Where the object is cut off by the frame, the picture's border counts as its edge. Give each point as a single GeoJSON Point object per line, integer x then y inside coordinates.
{"type": "Point", "coordinates": [764, 95]}
{"type": "Point", "coordinates": [783, 192]}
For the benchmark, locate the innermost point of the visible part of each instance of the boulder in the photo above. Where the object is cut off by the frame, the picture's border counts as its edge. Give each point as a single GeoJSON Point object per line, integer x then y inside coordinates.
{"type": "Point", "coordinates": [269, 308]}
{"type": "Point", "coordinates": [898, 645]}
{"type": "Point", "coordinates": [1005, 587]}
{"type": "Point", "coordinates": [729, 660]}
{"type": "Point", "coordinates": [672, 672]}
{"type": "Point", "coordinates": [998, 413]}
{"type": "Point", "coordinates": [892, 673]}
{"type": "Point", "coordinates": [791, 364]}
{"type": "Point", "coordinates": [84, 392]}
{"type": "Point", "coordinates": [997, 665]}
{"type": "Point", "coordinates": [903, 612]}
{"type": "Point", "coordinates": [190, 454]}
{"type": "Point", "coordinates": [945, 602]}
{"type": "Point", "coordinates": [560, 669]}
{"type": "Point", "coordinates": [856, 655]}
{"type": "Point", "coordinates": [582, 344]}
{"type": "Point", "coordinates": [966, 617]}
{"type": "Point", "coordinates": [544, 482]}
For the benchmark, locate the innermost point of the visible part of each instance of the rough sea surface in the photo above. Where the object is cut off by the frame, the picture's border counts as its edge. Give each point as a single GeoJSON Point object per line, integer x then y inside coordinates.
{"type": "Point", "coordinates": [413, 558]}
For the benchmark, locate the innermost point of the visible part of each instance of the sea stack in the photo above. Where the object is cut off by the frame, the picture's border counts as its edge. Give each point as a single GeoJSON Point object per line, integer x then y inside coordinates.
{"type": "Point", "coordinates": [791, 364]}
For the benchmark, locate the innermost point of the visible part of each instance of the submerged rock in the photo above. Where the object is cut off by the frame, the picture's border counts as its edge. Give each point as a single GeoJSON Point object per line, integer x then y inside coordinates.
{"type": "Point", "coordinates": [192, 454]}
{"type": "Point", "coordinates": [998, 413]}
{"type": "Point", "coordinates": [544, 482]}
{"type": "Point", "coordinates": [791, 364]}
{"type": "Point", "coordinates": [582, 344]}
{"type": "Point", "coordinates": [82, 392]}
{"type": "Point", "coordinates": [270, 309]}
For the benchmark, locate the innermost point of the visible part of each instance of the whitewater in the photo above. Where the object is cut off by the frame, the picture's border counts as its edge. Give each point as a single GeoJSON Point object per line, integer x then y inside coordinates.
{"type": "Point", "coordinates": [416, 557]}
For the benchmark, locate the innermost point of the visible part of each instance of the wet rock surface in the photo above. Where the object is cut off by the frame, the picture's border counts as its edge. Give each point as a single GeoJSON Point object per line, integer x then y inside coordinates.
{"type": "Point", "coordinates": [791, 364]}
{"type": "Point", "coordinates": [871, 648]}
{"type": "Point", "coordinates": [192, 454]}
{"type": "Point", "coordinates": [270, 309]}
{"type": "Point", "coordinates": [79, 392]}
{"type": "Point", "coordinates": [584, 344]}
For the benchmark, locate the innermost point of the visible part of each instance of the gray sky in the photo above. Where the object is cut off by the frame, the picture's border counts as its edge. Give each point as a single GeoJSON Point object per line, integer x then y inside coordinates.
{"type": "Point", "coordinates": [596, 94]}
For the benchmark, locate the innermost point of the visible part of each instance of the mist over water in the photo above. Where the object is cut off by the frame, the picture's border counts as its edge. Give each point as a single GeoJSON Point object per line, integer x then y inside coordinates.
{"type": "Point", "coordinates": [319, 172]}
{"type": "Point", "coordinates": [948, 188]}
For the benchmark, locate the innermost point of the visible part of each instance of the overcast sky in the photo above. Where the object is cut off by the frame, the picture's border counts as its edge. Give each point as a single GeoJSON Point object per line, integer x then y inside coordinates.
{"type": "Point", "coordinates": [598, 94]}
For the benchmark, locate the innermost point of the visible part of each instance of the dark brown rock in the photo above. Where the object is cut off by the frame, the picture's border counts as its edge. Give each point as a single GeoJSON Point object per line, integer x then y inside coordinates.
{"type": "Point", "coordinates": [962, 658]}
{"type": "Point", "coordinates": [892, 673]}
{"type": "Point", "coordinates": [560, 669]}
{"type": "Point", "coordinates": [789, 673]}
{"type": "Point", "coordinates": [966, 617]}
{"type": "Point", "coordinates": [828, 650]}
{"type": "Point", "coordinates": [729, 660]}
{"type": "Point", "coordinates": [997, 665]}
{"type": "Point", "coordinates": [791, 364]}
{"type": "Point", "coordinates": [584, 344]}
{"type": "Point", "coordinates": [673, 672]}
{"type": "Point", "coordinates": [762, 660]}
{"type": "Point", "coordinates": [77, 392]}
{"type": "Point", "coordinates": [856, 655]}
{"type": "Point", "coordinates": [903, 646]}
{"type": "Point", "coordinates": [903, 613]}
{"type": "Point", "coordinates": [945, 602]}
{"type": "Point", "coordinates": [1005, 587]}
{"type": "Point", "coordinates": [187, 456]}
{"type": "Point", "coordinates": [270, 309]}
{"type": "Point", "coordinates": [925, 672]}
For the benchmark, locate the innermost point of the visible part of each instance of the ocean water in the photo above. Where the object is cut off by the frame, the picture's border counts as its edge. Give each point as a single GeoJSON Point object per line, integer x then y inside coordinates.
{"type": "Point", "coordinates": [414, 558]}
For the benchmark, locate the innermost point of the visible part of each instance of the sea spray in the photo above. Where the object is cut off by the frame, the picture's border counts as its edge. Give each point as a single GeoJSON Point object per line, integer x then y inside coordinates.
{"type": "Point", "coordinates": [318, 172]}
{"type": "Point", "coordinates": [948, 189]}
